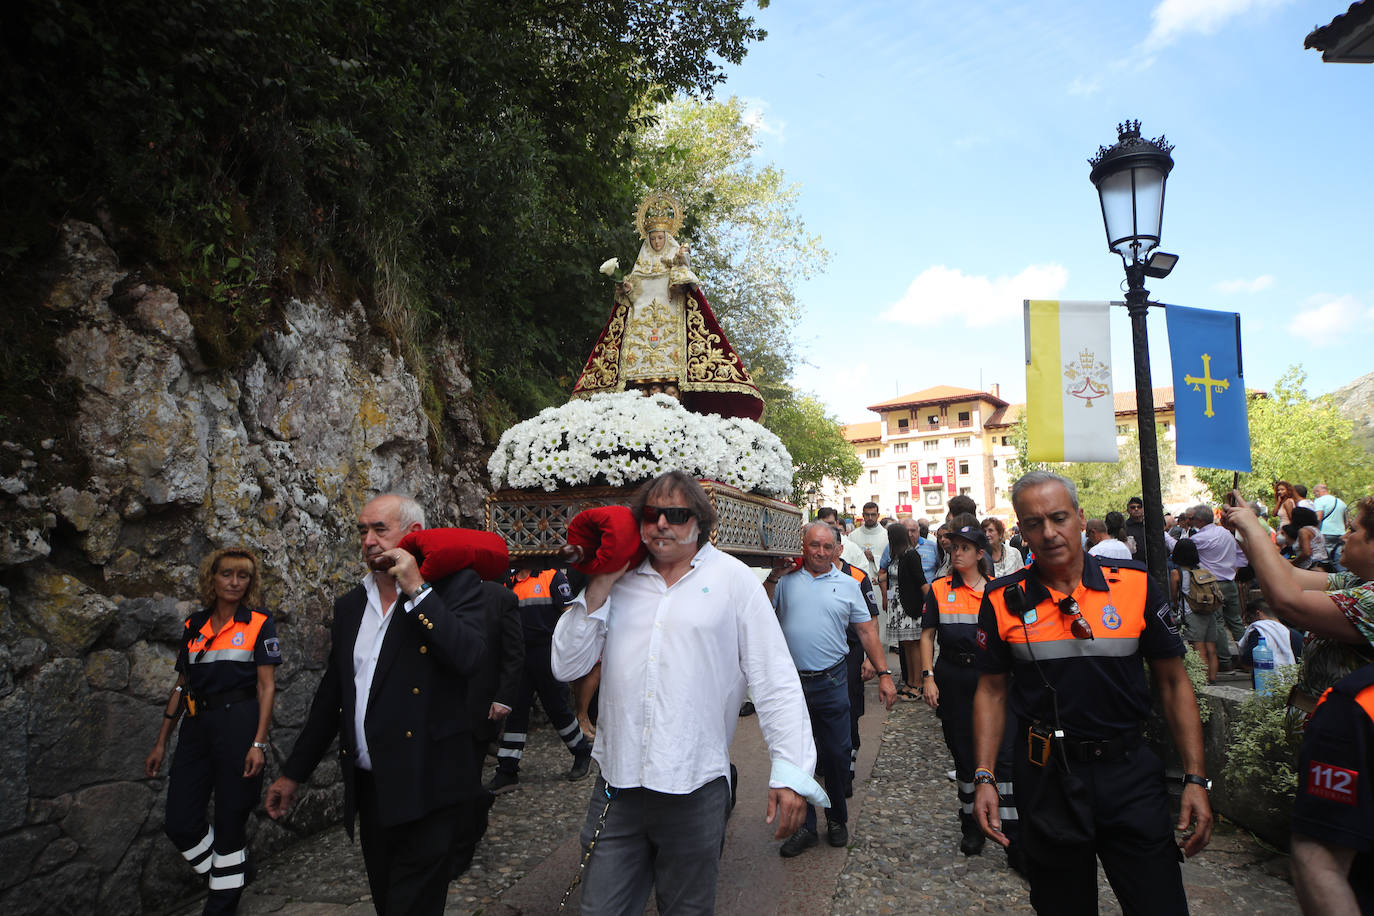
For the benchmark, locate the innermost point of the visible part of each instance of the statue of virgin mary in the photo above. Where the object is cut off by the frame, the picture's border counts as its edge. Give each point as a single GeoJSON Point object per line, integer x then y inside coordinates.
{"type": "Point", "coordinates": [662, 335]}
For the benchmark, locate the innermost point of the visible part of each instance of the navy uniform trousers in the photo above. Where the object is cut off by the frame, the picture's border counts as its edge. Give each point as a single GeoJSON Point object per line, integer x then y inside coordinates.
{"type": "Point", "coordinates": [958, 683]}
{"type": "Point", "coordinates": [209, 760]}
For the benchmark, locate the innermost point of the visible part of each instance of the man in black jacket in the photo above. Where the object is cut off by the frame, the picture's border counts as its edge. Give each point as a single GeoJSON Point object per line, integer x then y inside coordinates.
{"type": "Point", "coordinates": [401, 655]}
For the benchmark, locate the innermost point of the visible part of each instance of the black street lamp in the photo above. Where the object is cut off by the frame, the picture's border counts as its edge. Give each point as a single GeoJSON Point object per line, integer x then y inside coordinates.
{"type": "Point", "coordinates": [1130, 178]}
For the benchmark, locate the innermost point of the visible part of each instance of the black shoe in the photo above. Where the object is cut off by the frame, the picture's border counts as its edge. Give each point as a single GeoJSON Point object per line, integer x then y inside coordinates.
{"type": "Point", "coordinates": [836, 834]}
{"type": "Point", "coordinates": [747, 709]}
{"type": "Point", "coordinates": [972, 844]}
{"type": "Point", "coordinates": [581, 768]}
{"type": "Point", "coordinates": [502, 782]}
{"type": "Point", "coordinates": [798, 843]}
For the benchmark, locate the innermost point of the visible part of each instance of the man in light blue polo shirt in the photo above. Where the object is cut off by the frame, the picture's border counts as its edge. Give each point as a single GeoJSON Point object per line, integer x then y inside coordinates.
{"type": "Point", "coordinates": [1331, 510]}
{"type": "Point", "coordinates": [815, 605]}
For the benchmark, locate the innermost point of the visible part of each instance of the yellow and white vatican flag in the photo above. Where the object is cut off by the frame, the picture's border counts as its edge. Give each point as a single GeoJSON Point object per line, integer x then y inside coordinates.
{"type": "Point", "coordinates": [1070, 414]}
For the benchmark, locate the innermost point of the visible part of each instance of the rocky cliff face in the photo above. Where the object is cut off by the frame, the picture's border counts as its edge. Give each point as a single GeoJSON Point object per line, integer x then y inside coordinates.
{"type": "Point", "coordinates": [1356, 403]}
{"type": "Point", "coordinates": [104, 531]}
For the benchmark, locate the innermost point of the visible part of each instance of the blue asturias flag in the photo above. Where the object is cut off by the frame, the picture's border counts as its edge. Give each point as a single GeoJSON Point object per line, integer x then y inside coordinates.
{"type": "Point", "coordinates": [1213, 430]}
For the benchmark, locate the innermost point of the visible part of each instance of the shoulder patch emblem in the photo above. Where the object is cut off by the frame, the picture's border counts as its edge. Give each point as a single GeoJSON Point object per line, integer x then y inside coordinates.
{"type": "Point", "coordinates": [982, 638]}
{"type": "Point", "coordinates": [1031, 617]}
{"type": "Point", "coordinates": [1166, 617]}
{"type": "Point", "coordinates": [1332, 783]}
{"type": "Point", "coordinates": [272, 646]}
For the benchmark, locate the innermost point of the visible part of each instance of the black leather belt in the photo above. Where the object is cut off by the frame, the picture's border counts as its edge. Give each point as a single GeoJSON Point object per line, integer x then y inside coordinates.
{"type": "Point", "coordinates": [1086, 751]}
{"type": "Point", "coordinates": [228, 698]}
{"type": "Point", "coordinates": [962, 659]}
{"type": "Point", "coordinates": [812, 675]}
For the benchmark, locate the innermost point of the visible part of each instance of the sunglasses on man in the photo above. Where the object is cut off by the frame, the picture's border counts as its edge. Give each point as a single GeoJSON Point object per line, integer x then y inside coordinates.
{"type": "Point", "coordinates": [676, 515]}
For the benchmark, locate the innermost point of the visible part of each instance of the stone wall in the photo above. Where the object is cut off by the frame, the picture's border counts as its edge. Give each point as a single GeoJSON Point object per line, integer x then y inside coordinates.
{"type": "Point", "coordinates": [104, 529]}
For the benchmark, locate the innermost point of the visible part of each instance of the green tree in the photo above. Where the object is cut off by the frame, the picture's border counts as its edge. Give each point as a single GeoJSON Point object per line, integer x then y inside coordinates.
{"type": "Point", "coordinates": [818, 447]}
{"type": "Point", "coordinates": [1103, 486]}
{"type": "Point", "coordinates": [1300, 439]}
{"type": "Point", "coordinates": [450, 163]}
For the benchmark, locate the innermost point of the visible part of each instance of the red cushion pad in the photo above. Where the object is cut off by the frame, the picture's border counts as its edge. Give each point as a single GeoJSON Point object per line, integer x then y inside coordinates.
{"type": "Point", "coordinates": [443, 551]}
{"type": "Point", "coordinates": [605, 538]}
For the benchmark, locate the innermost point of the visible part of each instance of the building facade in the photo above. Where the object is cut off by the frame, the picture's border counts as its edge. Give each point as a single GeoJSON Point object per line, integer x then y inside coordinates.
{"type": "Point", "coordinates": [930, 445]}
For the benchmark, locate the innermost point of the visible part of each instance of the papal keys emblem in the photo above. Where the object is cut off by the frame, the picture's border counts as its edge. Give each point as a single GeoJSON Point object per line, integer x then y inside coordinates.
{"type": "Point", "coordinates": [1087, 377]}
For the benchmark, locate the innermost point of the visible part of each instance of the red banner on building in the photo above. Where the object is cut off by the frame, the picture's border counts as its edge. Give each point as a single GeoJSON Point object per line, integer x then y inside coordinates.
{"type": "Point", "coordinates": [953, 486]}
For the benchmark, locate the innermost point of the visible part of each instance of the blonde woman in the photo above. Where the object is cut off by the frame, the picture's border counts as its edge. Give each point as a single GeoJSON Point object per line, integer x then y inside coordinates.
{"type": "Point", "coordinates": [225, 687]}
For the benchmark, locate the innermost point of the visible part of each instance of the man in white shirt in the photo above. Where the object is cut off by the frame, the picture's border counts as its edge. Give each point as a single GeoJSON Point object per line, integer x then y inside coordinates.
{"type": "Point", "coordinates": [1101, 544]}
{"type": "Point", "coordinates": [679, 637]}
{"type": "Point", "coordinates": [871, 538]}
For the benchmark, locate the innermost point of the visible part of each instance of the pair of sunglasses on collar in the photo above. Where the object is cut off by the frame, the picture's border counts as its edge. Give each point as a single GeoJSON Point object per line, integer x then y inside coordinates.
{"type": "Point", "coordinates": [1079, 626]}
{"type": "Point", "coordinates": [676, 515]}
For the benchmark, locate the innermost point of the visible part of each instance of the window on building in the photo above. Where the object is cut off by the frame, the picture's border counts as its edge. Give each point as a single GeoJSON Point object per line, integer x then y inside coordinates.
{"type": "Point", "coordinates": [872, 476]}
{"type": "Point", "coordinates": [932, 468]}
{"type": "Point", "coordinates": [932, 497]}
{"type": "Point", "coordinates": [932, 420]}
{"type": "Point", "coordinates": [901, 497]}
{"type": "Point", "coordinates": [874, 452]}
{"type": "Point", "coordinates": [1167, 425]}
{"type": "Point", "coordinates": [965, 491]}
{"type": "Point", "coordinates": [931, 445]}
{"type": "Point", "coordinates": [1120, 430]}
{"type": "Point", "coordinates": [963, 467]}
{"type": "Point", "coordinates": [903, 423]}
{"type": "Point", "coordinates": [962, 442]}
{"type": "Point", "coordinates": [996, 463]}
{"type": "Point", "coordinates": [1006, 440]}
{"type": "Point", "coordinates": [964, 418]}
{"type": "Point", "coordinates": [899, 448]}
{"type": "Point", "coordinates": [873, 498]}
{"type": "Point", "coordinates": [901, 472]}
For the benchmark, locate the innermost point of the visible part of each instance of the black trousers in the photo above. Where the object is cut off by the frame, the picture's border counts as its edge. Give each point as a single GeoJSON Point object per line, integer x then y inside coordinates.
{"type": "Point", "coordinates": [957, 686]}
{"type": "Point", "coordinates": [211, 748]}
{"type": "Point", "coordinates": [854, 663]}
{"type": "Point", "coordinates": [471, 824]}
{"type": "Point", "coordinates": [555, 698]}
{"type": "Point", "coordinates": [408, 865]}
{"type": "Point", "coordinates": [1134, 839]}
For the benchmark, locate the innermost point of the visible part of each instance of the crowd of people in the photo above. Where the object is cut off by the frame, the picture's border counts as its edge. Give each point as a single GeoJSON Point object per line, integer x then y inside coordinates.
{"type": "Point", "coordinates": [1026, 643]}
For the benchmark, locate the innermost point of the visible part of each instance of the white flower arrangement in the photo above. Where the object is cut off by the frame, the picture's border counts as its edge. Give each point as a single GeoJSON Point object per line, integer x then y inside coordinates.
{"type": "Point", "coordinates": [610, 267]}
{"type": "Point", "coordinates": [625, 438]}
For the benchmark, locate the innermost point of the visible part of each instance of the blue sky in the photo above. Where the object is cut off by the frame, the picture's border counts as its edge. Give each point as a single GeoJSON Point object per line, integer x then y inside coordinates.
{"type": "Point", "coordinates": [941, 151]}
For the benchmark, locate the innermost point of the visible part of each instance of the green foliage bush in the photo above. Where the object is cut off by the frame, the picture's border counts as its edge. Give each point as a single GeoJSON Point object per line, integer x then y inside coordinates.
{"type": "Point", "coordinates": [451, 160]}
{"type": "Point", "coordinates": [1265, 741]}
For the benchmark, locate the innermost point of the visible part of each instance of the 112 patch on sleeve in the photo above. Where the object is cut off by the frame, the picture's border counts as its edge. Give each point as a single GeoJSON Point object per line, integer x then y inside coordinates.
{"type": "Point", "coordinates": [1332, 783]}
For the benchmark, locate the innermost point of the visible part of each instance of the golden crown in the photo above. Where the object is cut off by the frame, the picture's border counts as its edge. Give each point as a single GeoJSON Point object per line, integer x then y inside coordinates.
{"type": "Point", "coordinates": [659, 212]}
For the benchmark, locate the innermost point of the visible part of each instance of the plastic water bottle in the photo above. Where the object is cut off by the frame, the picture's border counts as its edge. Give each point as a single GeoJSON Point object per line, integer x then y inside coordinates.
{"type": "Point", "coordinates": [1265, 675]}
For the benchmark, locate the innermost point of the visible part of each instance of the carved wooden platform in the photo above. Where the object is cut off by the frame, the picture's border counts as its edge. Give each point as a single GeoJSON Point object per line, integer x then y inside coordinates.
{"type": "Point", "coordinates": [754, 528]}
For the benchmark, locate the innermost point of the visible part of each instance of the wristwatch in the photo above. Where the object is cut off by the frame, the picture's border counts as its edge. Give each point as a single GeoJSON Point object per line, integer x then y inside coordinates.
{"type": "Point", "coordinates": [261, 745]}
{"type": "Point", "coordinates": [1197, 781]}
{"type": "Point", "coordinates": [884, 673]}
{"type": "Point", "coordinates": [926, 672]}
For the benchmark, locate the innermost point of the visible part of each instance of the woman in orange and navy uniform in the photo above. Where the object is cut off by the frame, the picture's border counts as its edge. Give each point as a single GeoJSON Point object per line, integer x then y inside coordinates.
{"type": "Point", "coordinates": [225, 686]}
{"type": "Point", "coordinates": [948, 686]}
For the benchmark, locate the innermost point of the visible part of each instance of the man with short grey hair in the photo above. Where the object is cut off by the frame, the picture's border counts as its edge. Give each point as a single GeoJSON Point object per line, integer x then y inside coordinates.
{"type": "Point", "coordinates": [816, 605]}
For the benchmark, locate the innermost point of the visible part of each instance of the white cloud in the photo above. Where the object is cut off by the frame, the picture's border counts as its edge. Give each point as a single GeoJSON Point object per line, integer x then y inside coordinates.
{"type": "Point", "coordinates": [1260, 283]}
{"type": "Point", "coordinates": [756, 115]}
{"type": "Point", "coordinates": [1085, 86]}
{"type": "Point", "coordinates": [1175, 18]}
{"type": "Point", "coordinates": [1330, 320]}
{"type": "Point", "coordinates": [939, 293]}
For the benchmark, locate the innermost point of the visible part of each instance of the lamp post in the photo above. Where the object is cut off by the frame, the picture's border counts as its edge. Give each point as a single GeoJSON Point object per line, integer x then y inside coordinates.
{"type": "Point", "coordinates": [1130, 178]}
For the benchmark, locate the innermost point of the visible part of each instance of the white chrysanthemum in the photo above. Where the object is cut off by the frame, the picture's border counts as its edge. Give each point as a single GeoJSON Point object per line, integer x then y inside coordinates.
{"type": "Point", "coordinates": [625, 438]}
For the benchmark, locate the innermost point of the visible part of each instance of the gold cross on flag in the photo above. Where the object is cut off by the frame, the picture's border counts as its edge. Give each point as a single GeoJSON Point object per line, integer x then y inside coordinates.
{"type": "Point", "coordinates": [1207, 383]}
